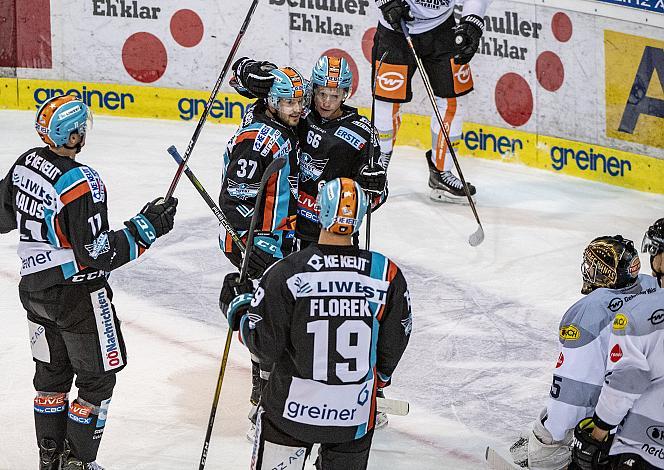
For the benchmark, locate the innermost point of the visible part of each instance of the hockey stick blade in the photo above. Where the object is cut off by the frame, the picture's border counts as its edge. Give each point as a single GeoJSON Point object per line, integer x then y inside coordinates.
{"type": "Point", "coordinates": [477, 237]}
{"type": "Point", "coordinates": [495, 461]}
{"type": "Point", "coordinates": [393, 407]}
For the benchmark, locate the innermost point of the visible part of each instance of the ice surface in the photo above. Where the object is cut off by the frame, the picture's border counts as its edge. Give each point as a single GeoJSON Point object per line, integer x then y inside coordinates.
{"type": "Point", "coordinates": [485, 319]}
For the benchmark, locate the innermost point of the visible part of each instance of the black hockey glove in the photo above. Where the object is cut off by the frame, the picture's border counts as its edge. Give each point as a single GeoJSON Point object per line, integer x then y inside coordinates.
{"type": "Point", "coordinates": [587, 453]}
{"type": "Point", "coordinates": [231, 288]}
{"type": "Point", "coordinates": [154, 220]}
{"type": "Point", "coordinates": [252, 78]}
{"type": "Point", "coordinates": [372, 179]}
{"type": "Point", "coordinates": [467, 36]}
{"type": "Point", "coordinates": [394, 11]}
{"type": "Point", "coordinates": [259, 261]}
{"type": "Point", "coordinates": [236, 310]}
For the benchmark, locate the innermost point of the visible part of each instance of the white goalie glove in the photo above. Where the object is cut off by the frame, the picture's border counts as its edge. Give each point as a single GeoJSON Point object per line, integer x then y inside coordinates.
{"type": "Point", "coordinates": [538, 450]}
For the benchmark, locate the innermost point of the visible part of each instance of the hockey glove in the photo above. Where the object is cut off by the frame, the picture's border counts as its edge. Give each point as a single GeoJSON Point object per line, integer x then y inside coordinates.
{"type": "Point", "coordinates": [394, 11]}
{"type": "Point", "coordinates": [231, 288]}
{"type": "Point", "coordinates": [236, 310]}
{"type": "Point", "coordinates": [372, 179]}
{"type": "Point", "coordinates": [587, 453]}
{"type": "Point", "coordinates": [259, 261]}
{"type": "Point", "coordinates": [154, 220]}
{"type": "Point", "coordinates": [467, 36]}
{"type": "Point", "coordinates": [252, 78]}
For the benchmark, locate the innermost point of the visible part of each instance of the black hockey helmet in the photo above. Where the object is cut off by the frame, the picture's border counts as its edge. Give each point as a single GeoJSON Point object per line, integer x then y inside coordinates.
{"type": "Point", "coordinates": [610, 262]}
{"type": "Point", "coordinates": [653, 244]}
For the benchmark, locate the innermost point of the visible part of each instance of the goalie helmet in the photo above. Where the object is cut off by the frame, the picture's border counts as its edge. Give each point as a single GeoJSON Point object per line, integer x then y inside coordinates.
{"type": "Point", "coordinates": [653, 240]}
{"type": "Point", "coordinates": [342, 205]}
{"type": "Point", "coordinates": [59, 117]}
{"type": "Point", "coordinates": [288, 84]}
{"type": "Point", "coordinates": [610, 262]}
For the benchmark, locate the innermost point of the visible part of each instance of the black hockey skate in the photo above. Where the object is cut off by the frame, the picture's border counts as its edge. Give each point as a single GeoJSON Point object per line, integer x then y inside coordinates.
{"type": "Point", "coordinates": [75, 464]}
{"type": "Point", "coordinates": [446, 186]}
{"type": "Point", "coordinates": [49, 457]}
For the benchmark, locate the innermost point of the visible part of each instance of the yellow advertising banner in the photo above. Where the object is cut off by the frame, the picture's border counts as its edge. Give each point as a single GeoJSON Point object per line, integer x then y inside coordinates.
{"type": "Point", "coordinates": [634, 88]}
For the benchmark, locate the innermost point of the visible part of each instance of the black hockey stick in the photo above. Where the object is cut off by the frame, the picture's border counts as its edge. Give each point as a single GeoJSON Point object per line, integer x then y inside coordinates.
{"type": "Point", "coordinates": [206, 197]}
{"type": "Point", "coordinates": [274, 166]}
{"type": "Point", "coordinates": [213, 95]}
{"type": "Point", "coordinates": [478, 236]}
{"type": "Point", "coordinates": [371, 146]}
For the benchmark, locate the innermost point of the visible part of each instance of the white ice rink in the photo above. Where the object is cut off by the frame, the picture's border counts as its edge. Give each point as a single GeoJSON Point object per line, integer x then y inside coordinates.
{"type": "Point", "coordinates": [484, 338]}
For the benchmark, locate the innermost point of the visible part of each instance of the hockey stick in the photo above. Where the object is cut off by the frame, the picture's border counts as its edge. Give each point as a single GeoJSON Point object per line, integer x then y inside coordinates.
{"type": "Point", "coordinates": [495, 461]}
{"type": "Point", "coordinates": [371, 146]}
{"type": "Point", "coordinates": [393, 407]}
{"type": "Point", "coordinates": [213, 95]}
{"type": "Point", "coordinates": [274, 166]}
{"type": "Point", "coordinates": [478, 236]}
{"type": "Point", "coordinates": [206, 197]}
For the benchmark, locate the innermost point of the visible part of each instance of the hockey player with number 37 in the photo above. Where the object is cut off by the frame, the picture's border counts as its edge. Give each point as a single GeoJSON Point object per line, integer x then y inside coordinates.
{"type": "Point", "coordinates": [611, 279]}
{"type": "Point", "coordinates": [445, 48]}
{"type": "Point", "coordinates": [335, 321]}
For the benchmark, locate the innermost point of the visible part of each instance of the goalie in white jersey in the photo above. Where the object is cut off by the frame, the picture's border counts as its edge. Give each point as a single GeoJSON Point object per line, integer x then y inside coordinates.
{"type": "Point", "coordinates": [632, 399]}
{"type": "Point", "coordinates": [445, 48]}
{"type": "Point", "coordinates": [611, 280]}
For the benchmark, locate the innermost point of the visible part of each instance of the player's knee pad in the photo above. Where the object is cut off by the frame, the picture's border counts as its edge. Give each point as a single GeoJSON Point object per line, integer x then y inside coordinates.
{"type": "Point", "coordinates": [547, 456]}
{"type": "Point", "coordinates": [334, 460]}
{"type": "Point", "coordinates": [95, 388]}
{"type": "Point", "coordinates": [53, 377]}
{"type": "Point", "coordinates": [267, 454]}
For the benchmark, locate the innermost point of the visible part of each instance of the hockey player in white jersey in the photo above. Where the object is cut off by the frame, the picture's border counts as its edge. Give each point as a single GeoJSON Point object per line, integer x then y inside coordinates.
{"type": "Point", "coordinates": [611, 280]}
{"type": "Point", "coordinates": [632, 398]}
{"type": "Point", "coordinates": [445, 48]}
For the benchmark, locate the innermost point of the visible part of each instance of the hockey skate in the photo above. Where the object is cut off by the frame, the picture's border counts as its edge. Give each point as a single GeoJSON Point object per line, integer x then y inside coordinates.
{"type": "Point", "coordinates": [73, 463]}
{"type": "Point", "coordinates": [49, 457]}
{"type": "Point", "coordinates": [445, 186]}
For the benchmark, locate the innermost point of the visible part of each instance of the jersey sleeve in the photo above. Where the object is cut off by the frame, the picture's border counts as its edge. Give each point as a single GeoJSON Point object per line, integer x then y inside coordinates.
{"type": "Point", "coordinates": [396, 324]}
{"type": "Point", "coordinates": [628, 373]}
{"type": "Point", "coordinates": [82, 223]}
{"type": "Point", "coordinates": [265, 329]}
{"type": "Point", "coordinates": [7, 213]}
{"type": "Point", "coordinates": [579, 372]}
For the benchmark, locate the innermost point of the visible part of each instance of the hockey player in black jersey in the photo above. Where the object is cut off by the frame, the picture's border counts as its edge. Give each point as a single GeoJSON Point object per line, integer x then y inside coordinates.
{"type": "Point", "coordinates": [67, 250]}
{"type": "Point", "coordinates": [336, 141]}
{"type": "Point", "coordinates": [335, 320]}
{"type": "Point", "coordinates": [267, 132]}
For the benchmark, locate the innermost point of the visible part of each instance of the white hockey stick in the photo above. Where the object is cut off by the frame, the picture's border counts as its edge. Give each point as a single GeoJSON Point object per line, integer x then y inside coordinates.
{"type": "Point", "coordinates": [393, 407]}
{"type": "Point", "coordinates": [495, 461]}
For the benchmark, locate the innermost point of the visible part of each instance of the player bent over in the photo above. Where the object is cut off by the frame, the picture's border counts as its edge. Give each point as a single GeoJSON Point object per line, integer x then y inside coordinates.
{"type": "Point", "coordinates": [267, 132]}
{"type": "Point", "coordinates": [611, 279]}
{"type": "Point", "coordinates": [445, 49]}
{"type": "Point", "coordinates": [336, 141]}
{"type": "Point", "coordinates": [67, 250]}
{"type": "Point", "coordinates": [631, 398]}
{"type": "Point", "coordinates": [332, 347]}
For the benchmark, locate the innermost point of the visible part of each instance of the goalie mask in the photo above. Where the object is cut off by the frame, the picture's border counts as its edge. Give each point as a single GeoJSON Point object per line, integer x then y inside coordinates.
{"type": "Point", "coordinates": [610, 262]}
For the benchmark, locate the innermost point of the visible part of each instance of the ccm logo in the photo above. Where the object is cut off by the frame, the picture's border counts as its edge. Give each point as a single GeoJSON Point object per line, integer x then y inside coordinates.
{"type": "Point", "coordinates": [390, 81]}
{"type": "Point", "coordinates": [463, 74]}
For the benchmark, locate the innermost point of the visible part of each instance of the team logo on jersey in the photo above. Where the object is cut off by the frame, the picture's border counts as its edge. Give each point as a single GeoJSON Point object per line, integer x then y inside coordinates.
{"type": "Point", "coordinates": [570, 333]}
{"type": "Point", "coordinates": [97, 189]}
{"type": "Point", "coordinates": [561, 359]}
{"type": "Point", "coordinates": [656, 434]}
{"type": "Point", "coordinates": [315, 262]}
{"type": "Point", "coordinates": [657, 317]}
{"type": "Point", "coordinates": [243, 191]}
{"type": "Point", "coordinates": [99, 246]}
{"type": "Point", "coordinates": [311, 168]}
{"type": "Point", "coordinates": [620, 322]}
{"type": "Point", "coordinates": [254, 319]}
{"type": "Point", "coordinates": [615, 304]}
{"type": "Point", "coordinates": [616, 353]}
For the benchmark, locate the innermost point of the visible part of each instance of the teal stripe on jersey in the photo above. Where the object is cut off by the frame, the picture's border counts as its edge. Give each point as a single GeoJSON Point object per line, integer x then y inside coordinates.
{"type": "Point", "coordinates": [49, 218]}
{"type": "Point", "coordinates": [133, 251]}
{"type": "Point", "coordinates": [68, 269]}
{"type": "Point", "coordinates": [69, 180]}
{"type": "Point", "coordinates": [361, 430]}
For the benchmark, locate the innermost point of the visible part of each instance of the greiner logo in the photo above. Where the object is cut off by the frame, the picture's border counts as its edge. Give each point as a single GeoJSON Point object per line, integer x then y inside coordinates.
{"type": "Point", "coordinates": [390, 81]}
